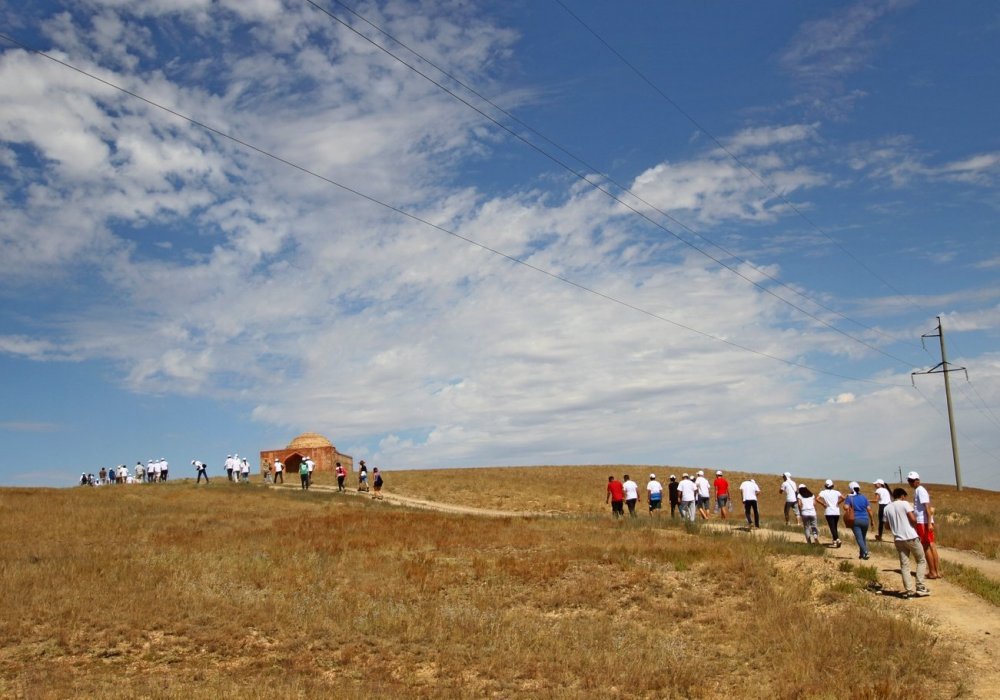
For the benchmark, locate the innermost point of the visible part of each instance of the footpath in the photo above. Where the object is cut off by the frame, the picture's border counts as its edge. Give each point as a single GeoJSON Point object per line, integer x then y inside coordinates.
{"type": "Point", "coordinates": [950, 611]}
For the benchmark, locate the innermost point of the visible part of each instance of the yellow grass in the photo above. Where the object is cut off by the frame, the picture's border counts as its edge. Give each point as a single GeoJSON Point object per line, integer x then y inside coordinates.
{"type": "Point", "coordinates": [237, 591]}
{"type": "Point", "coordinates": [969, 519]}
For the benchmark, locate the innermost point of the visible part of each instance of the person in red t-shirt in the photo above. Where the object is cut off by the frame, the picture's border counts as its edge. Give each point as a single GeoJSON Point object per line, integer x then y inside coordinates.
{"type": "Point", "coordinates": [721, 493]}
{"type": "Point", "coordinates": [616, 494]}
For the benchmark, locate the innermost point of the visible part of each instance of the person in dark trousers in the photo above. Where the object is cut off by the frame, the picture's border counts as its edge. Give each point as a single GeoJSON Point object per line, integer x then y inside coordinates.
{"type": "Point", "coordinates": [616, 494]}
{"type": "Point", "coordinates": [202, 470]}
{"type": "Point", "coordinates": [672, 495]}
{"type": "Point", "coordinates": [304, 474]}
{"type": "Point", "coordinates": [341, 475]}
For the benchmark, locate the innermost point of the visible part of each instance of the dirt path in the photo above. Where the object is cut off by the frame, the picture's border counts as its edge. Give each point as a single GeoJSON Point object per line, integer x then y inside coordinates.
{"type": "Point", "coordinates": [953, 613]}
{"type": "Point", "coordinates": [437, 506]}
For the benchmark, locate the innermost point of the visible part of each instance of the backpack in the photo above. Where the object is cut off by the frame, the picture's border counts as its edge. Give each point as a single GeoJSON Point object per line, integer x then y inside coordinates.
{"type": "Point", "coordinates": [849, 513]}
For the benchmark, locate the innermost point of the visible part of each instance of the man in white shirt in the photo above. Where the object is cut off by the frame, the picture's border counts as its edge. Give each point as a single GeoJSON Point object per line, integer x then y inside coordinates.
{"type": "Point", "coordinates": [202, 470]}
{"type": "Point", "coordinates": [229, 467]}
{"type": "Point", "coordinates": [310, 465]}
{"type": "Point", "coordinates": [245, 471]}
{"type": "Point", "coordinates": [899, 515]}
{"type": "Point", "coordinates": [164, 467]}
{"type": "Point", "coordinates": [631, 494]}
{"type": "Point", "coordinates": [749, 491]}
{"type": "Point", "coordinates": [688, 493]}
{"type": "Point", "coordinates": [923, 511]}
{"type": "Point", "coordinates": [790, 490]}
{"type": "Point", "coordinates": [704, 494]}
{"type": "Point", "coordinates": [884, 498]}
{"type": "Point", "coordinates": [279, 471]}
{"type": "Point", "coordinates": [654, 494]}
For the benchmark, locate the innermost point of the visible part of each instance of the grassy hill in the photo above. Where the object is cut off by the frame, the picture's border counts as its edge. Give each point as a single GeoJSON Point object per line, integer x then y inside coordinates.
{"type": "Point", "coordinates": [173, 590]}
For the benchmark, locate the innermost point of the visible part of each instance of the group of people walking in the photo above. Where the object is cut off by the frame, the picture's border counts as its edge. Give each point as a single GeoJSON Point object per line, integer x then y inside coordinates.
{"type": "Point", "coordinates": [153, 471]}
{"type": "Point", "coordinates": [911, 526]}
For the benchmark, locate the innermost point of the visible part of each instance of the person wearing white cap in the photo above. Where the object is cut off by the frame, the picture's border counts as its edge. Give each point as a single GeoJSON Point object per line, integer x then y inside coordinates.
{"type": "Point", "coordinates": [790, 490]}
{"type": "Point", "coordinates": [279, 471]}
{"type": "Point", "coordinates": [884, 499]}
{"type": "Point", "coordinates": [858, 517]}
{"type": "Point", "coordinates": [830, 498]}
{"type": "Point", "coordinates": [749, 490]}
{"type": "Point", "coordinates": [202, 470]}
{"type": "Point", "coordinates": [899, 515]}
{"type": "Point", "coordinates": [654, 494]}
{"type": "Point", "coordinates": [721, 494]}
{"type": "Point", "coordinates": [704, 494]}
{"type": "Point", "coordinates": [688, 494]}
{"type": "Point", "coordinates": [164, 468]}
{"type": "Point", "coordinates": [923, 511]}
{"type": "Point", "coordinates": [229, 467]}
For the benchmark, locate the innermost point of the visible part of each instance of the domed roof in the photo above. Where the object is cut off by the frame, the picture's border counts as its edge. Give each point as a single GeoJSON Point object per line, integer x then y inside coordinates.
{"type": "Point", "coordinates": [309, 440]}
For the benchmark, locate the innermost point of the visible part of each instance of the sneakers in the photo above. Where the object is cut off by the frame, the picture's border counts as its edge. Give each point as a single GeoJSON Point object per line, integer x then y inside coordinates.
{"type": "Point", "coordinates": [836, 543]}
{"type": "Point", "coordinates": [864, 556]}
{"type": "Point", "coordinates": [922, 591]}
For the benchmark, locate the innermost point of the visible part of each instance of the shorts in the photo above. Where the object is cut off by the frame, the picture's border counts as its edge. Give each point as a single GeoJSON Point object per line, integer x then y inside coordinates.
{"type": "Point", "coordinates": [722, 501]}
{"type": "Point", "coordinates": [655, 504]}
{"type": "Point", "coordinates": [703, 502]}
{"type": "Point", "coordinates": [925, 534]}
{"type": "Point", "coordinates": [617, 506]}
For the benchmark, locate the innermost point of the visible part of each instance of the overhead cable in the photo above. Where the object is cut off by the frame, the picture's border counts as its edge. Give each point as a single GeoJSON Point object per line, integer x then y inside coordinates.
{"type": "Point", "coordinates": [442, 229]}
{"type": "Point", "coordinates": [605, 191]}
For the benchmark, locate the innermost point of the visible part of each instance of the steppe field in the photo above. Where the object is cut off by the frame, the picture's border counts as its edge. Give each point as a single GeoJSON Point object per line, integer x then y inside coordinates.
{"type": "Point", "coordinates": [494, 583]}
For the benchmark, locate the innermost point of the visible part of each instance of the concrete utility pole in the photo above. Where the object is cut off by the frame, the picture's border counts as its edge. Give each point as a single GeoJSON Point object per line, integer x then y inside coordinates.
{"type": "Point", "coordinates": [944, 368]}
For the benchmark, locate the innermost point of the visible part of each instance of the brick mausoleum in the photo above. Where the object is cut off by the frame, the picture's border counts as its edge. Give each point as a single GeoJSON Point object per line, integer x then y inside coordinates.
{"type": "Point", "coordinates": [312, 445]}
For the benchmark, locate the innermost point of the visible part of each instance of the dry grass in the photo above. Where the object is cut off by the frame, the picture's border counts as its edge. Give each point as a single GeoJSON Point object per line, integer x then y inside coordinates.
{"type": "Point", "coordinates": [177, 591]}
{"type": "Point", "coordinates": [969, 519]}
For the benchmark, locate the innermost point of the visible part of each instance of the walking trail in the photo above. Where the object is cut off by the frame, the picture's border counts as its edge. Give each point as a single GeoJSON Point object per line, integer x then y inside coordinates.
{"type": "Point", "coordinates": [955, 614]}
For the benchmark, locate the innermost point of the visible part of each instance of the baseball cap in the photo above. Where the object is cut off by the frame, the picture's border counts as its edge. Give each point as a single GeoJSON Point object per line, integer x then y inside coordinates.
{"type": "Point", "coordinates": [718, 472]}
{"type": "Point", "coordinates": [685, 475]}
{"type": "Point", "coordinates": [787, 475]}
{"type": "Point", "coordinates": [673, 478]}
{"type": "Point", "coordinates": [652, 476]}
{"type": "Point", "coordinates": [912, 476]}
{"type": "Point", "coordinates": [853, 485]}
{"type": "Point", "coordinates": [879, 482]}
{"type": "Point", "coordinates": [829, 483]}
{"type": "Point", "coordinates": [701, 473]}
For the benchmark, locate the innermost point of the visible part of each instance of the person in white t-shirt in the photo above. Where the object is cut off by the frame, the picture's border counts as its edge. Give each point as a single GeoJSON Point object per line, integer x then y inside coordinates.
{"type": "Point", "coordinates": [279, 472]}
{"type": "Point", "coordinates": [749, 490]}
{"type": "Point", "coordinates": [164, 468]}
{"type": "Point", "coordinates": [789, 489]}
{"type": "Point", "coordinates": [830, 498]}
{"type": "Point", "coordinates": [654, 494]}
{"type": "Point", "coordinates": [310, 465]}
{"type": "Point", "coordinates": [883, 498]}
{"type": "Point", "coordinates": [631, 494]}
{"type": "Point", "coordinates": [688, 494]}
{"type": "Point", "coordinates": [245, 471]}
{"type": "Point", "coordinates": [704, 494]}
{"type": "Point", "coordinates": [157, 470]}
{"type": "Point", "coordinates": [923, 511]}
{"type": "Point", "coordinates": [900, 517]}
{"type": "Point", "coordinates": [202, 469]}
{"type": "Point", "coordinates": [807, 511]}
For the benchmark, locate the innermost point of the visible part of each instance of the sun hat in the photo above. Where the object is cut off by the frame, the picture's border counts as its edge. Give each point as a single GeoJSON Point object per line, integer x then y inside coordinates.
{"type": "Point", "coordinates": [829, 483]}
{"type": "Point", "coordinates": [912, 476]}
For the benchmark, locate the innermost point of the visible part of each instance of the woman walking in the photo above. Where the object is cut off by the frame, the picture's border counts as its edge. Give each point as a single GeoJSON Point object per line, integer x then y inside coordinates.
{"type": "Point", "coordinates": [807, 511]}
{"type": "Point", "coordinates": [830, 498]}
{"type": "Point", "coordinates": [862, 512]}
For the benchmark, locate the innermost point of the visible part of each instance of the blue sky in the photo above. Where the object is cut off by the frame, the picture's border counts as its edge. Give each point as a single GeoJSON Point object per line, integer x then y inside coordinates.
{"type": "Point", "coordinates": [773, 201]}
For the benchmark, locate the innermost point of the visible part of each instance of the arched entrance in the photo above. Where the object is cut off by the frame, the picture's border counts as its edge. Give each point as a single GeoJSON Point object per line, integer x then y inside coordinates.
{"type": "Point", "coordinates": [292, 463]}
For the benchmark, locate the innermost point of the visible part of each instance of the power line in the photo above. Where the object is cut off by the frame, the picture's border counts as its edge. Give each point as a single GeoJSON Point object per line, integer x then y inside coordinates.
{"type": "Point", "coordinates": [960, 432]}
{"type": "Point", "coordinates": [436, 227]}
{"type": "Point", "coordinates": [590, 182]}
{"type": "Point", "coordinates": [988, 414]}
{"type": "Point", "coordinates": [743, 164]}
